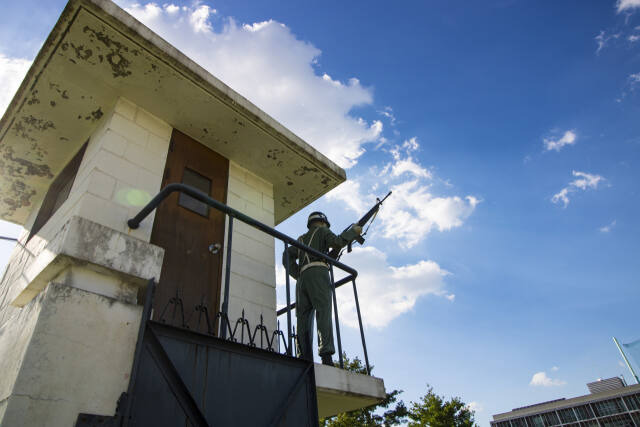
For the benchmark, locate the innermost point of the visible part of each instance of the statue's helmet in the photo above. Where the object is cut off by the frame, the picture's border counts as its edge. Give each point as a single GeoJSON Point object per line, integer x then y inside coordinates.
{"type": "Point", "coordinates": [317, 216]}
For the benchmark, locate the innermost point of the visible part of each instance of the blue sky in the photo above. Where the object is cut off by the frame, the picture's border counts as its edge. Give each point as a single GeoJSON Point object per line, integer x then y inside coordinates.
{"type": "Point", "coordinates": [509, 131]}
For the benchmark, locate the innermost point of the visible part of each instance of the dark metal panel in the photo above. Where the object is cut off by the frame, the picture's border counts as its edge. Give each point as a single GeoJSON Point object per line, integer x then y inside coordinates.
{"type": "Point", "coordinates": [244, 386]}
{"type": "Point", "coordinates": [153, 402]}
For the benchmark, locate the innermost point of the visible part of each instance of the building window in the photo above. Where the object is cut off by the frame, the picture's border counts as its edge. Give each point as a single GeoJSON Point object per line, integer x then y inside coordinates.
{"type": "Point", "coordinates": [550, 419]}
{"type": "Point", "coordinates": [608, 407]}
{"type": "Point", "coordinates": [633, 401]}
{"type": "Point", "coordinates": [584, 412]}
{"type": "Point", "coordinates": [518, 422]}
{"type": "Point", "coordinates": [567, 415]}
{"type": "Point", "coordinates": [622, 420]}
{"type": "Point", "coordinates": [636, 417]}
{"type": "Point", "coordinates": [58, 191]}
{"type": "Point", "coordinates": [535, 421]}
{"type": "Point", "coordinates": [202, 183]}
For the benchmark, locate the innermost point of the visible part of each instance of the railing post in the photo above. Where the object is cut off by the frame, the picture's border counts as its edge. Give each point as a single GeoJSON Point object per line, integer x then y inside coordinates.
{"type": "Point", "coordinates": [364, 344]}
{"type": "Point", "coordinates": [335, 311]}
{"type": "Point", "coordinates": [286, 272]}
{"type": "Point", "coordinates": [227, 277]}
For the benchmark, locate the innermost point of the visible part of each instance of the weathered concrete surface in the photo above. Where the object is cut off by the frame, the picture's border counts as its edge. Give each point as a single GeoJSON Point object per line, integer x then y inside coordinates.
{"type": "Point", "coordinates": [342, 391]}
{"type": "Point", "coordinates": [77, 359]}
{"type": "Point", "coordinates": [120, 264]}
{"type": "Point", "coordinates": [14, 341]}
{"type": "Point", "coordinates": [96, 53]}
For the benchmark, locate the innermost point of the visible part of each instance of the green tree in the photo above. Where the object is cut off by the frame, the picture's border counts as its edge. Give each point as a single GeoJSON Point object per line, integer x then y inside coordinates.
{"type": "Point", "coordinates": [395, 412]}
{"type": "Point", "coordinates": [434, 411]}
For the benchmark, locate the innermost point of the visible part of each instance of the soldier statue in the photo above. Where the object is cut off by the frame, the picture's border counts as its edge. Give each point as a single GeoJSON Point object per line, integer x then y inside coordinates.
{"type": "Point", "coordinates": [313, 288]}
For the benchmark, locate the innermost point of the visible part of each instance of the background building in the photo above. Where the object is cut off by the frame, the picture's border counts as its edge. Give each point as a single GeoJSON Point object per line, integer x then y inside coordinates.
{"type": "Point", "coordinates": [611, 403]}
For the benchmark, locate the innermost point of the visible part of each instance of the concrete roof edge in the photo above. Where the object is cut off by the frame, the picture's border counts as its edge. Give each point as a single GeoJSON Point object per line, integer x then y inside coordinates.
{"type": "Point", "coordinates": [180, 61]}
{"type": "Point", "coordinates": [190, 69]}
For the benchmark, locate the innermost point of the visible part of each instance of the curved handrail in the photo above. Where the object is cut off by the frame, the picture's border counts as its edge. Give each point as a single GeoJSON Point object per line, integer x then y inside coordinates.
{"type": "Point", "coordinates": [134, 223]}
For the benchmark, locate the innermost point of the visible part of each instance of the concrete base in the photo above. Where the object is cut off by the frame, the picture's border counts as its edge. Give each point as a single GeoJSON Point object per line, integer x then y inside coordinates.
{"type": "Point", "coordinates": [75, 356]}
{"type": "Point", "coordinates": [342, 391]}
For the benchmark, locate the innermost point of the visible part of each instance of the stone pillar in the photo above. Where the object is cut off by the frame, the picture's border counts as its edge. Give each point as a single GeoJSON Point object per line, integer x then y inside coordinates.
{"type": "Point", "coordinates": [70, 296]}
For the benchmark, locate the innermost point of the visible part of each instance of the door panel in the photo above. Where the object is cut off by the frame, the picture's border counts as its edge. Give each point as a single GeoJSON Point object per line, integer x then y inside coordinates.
{"type": "Point", "coordinates": [186, 229]}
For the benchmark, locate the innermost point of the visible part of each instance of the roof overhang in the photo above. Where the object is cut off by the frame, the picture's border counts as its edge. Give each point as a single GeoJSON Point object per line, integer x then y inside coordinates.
{"type": "Point", "coordinates": [96, 53]}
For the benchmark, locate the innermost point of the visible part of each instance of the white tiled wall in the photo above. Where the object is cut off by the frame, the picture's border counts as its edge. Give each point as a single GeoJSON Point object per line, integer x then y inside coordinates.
{"type": "Point", "coordinates": [253, 283]}
{"type": "Point", "coordinates": [121, 171]}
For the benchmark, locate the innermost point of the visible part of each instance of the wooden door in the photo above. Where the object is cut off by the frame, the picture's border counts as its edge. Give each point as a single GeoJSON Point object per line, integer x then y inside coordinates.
{"type": "Point", "coordinates": [191, 233]}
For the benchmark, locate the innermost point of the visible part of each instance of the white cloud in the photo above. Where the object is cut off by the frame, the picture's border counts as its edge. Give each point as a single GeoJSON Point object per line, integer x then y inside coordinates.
{"type": "Point", "coordinates": [413, 210]}
{"type": "Point", "coordinates": [269, 65]}
{"type": "Point", "coordinates": [602, 39]}
{"type": "Point", "coordinates": [12, 72]}
{"type": "Point", "coordinates": [583, 182]}
{"type": "Point", "coordinates": [280, 273]}
{"type": "Point", "coordinates": [629, 5]}
{"type": "Point", "coordinates": [385, 291]}
{"type": "Point", "coordinates": [607, 228]}
{"type": "Point", "coordinates": [408, 165]}
{"type": "Point", "coordinates": [540, 379]}
{"type": "Point", "coordinates": [586, 180]}
{"type": "Point", "coordinates": [555, 369]}
{"type": "Point", "coordinates": [634, 78]}
{"type": "Point", "coordinates": [388, 113]}
{"type": "Point", "coordinates": [172, 8]}
{"type": "Point", "coordinates": [199, 19]}
{"type": "Point", "coordinates": [569, 138]}
{"type": "Point", "coordinates": [349, 193]}
{"type": "Point", "coordinates": [633, 38]}
{"type": "Point", "coordinates": [561, 196]}
{"type": "Point", "coordinates": [475, 407]}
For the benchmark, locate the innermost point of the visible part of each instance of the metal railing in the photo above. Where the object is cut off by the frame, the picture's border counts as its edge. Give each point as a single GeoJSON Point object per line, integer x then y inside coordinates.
{"type": "Point", "coordinates": [287, 241]}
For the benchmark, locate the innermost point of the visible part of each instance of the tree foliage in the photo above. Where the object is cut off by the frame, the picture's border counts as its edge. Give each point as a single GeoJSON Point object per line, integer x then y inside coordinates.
{"type": "Point", "coordinates": [434, 411]}
{"type": "Point", "coordinates": [431, 410]}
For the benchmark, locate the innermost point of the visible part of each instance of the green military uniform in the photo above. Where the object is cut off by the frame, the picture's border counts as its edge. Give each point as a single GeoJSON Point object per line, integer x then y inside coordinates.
{"type": "Point", "coordinates": [313, 288]}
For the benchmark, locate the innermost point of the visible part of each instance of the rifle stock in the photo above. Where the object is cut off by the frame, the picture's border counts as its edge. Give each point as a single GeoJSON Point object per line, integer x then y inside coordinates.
{"type": "Point", "coordinates": [335, 252]}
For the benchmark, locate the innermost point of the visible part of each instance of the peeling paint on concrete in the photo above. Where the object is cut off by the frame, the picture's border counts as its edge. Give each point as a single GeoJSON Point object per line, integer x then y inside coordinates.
{"type": "Point", "coordinates": [116, 56]}
{"type": "Point", "coordinates": [274, 153]}
{"type": "Point", "coordinates": [94, 115]}
{"type": "Point", "coordinates": [34, 98]}
{"type": "Point", "coordinates": [82, 52]}
{"type": "Point", "coordinates": [38, 124]}
{"type": "Point", "coordinates": [303, 170]}
{"type": "Point", "coordinates": [285, 201]}
{"type": "Point", "coordinates": [19, 167]}
{"type": "Point", "coordinates": [19, 196]}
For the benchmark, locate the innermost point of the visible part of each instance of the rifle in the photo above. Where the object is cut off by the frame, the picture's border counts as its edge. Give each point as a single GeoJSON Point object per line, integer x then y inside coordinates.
{"type": "Point", "coordinates": [336, 252]}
